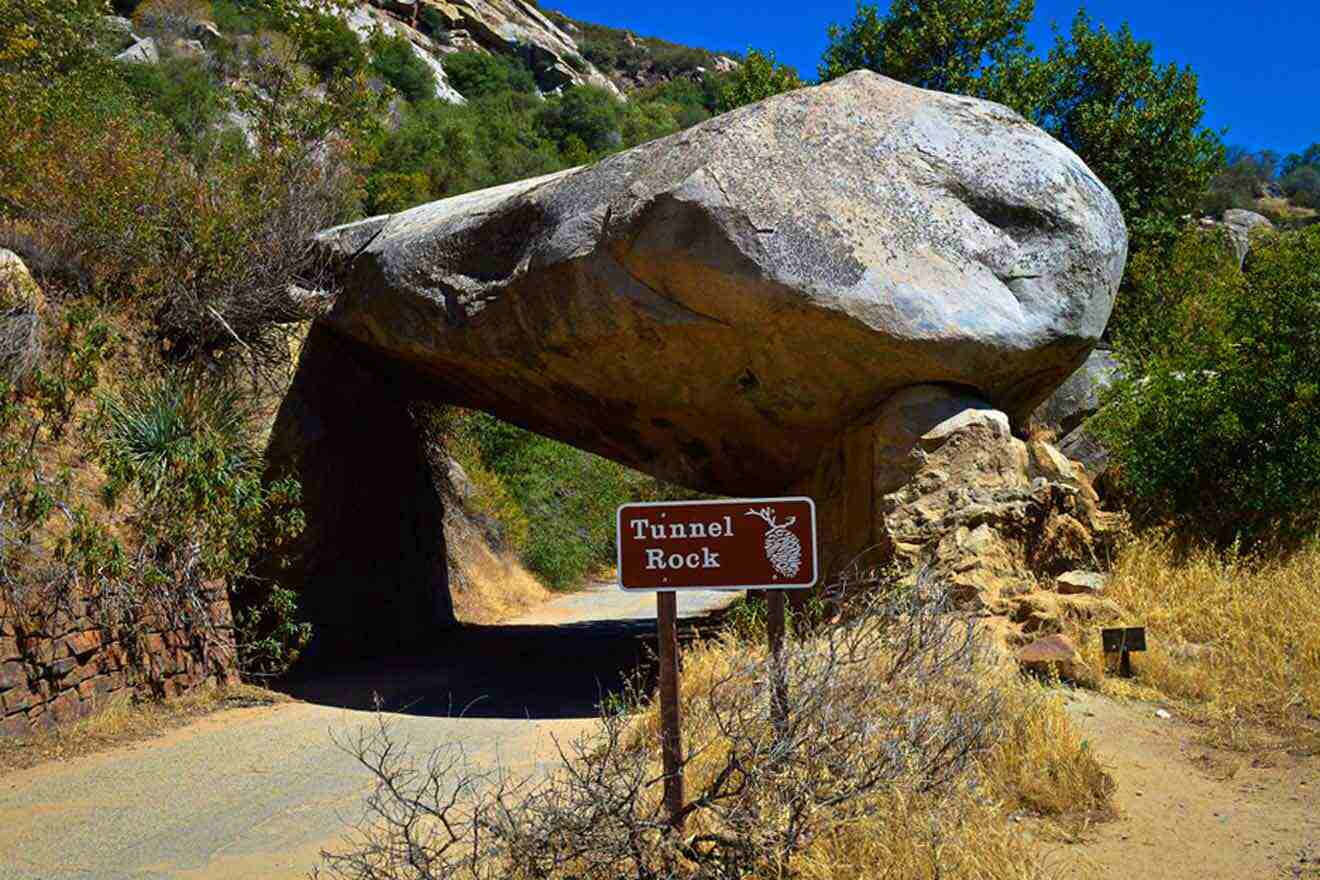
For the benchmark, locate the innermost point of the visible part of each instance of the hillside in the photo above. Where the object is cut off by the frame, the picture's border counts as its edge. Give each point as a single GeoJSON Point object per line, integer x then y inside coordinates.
{"type": "Point", "coordinates": [636, 62]}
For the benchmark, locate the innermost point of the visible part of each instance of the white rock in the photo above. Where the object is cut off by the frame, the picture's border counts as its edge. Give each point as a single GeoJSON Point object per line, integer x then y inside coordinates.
{"type": "Point", "coordinates": [144, 51]}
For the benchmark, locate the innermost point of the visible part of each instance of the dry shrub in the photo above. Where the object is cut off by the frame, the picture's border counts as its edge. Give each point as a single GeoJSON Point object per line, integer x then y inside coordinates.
{"type": "Point", "coordinates": [1235, 637]}
{"type": "Point", "coordinates": [902, 749]}
{"type": "Point", "coordinates": [175, 18]}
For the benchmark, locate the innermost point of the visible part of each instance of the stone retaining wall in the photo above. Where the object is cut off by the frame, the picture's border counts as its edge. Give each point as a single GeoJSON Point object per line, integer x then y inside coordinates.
{"type": "Point", "coordinates": [58, 666]}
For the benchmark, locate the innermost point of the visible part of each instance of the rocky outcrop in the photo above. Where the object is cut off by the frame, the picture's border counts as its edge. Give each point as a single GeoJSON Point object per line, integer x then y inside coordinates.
{"type": "Point", "coordinates": [366, 20]}
{"type": "Point", "coordinates": [1240, 225]}
{"type": "Point", "coordinates": [1007, 528]}
{"type": "Point", "coordinates": [1079, 397]}
{"type": "Point", "coordinates": [144, 51]}
{"type": "Point", "coordinates": [717, 307]}
{"type": "Point", "coordinates": [504, 27]}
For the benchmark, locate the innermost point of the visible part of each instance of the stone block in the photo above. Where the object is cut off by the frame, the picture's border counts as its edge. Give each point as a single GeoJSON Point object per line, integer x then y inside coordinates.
{"type": "Point", "coordinates": [68, 706]}
{"type": "Point", "coordinates": [1054, 652]}
{"type": "Point", "coordinates": [13, 674]}
{"type": "Point", "coordinates": [17, 699]}
{"type": "Point", "coordinates": [63, 666]}
{"type": "Point", "coordinates": [14, 726]}
{"type": "Point", "coordinates": [1081, 583]}
{"type": "Point", "coordinates": [39, 718]}
{"type": "Point", "coordinates": [84, 642]}
{"type": "Point", "coordinates": [96, 689]}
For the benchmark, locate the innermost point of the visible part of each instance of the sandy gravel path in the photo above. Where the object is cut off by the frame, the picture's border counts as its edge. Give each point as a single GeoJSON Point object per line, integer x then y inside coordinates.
{"type": "Point", "coordinates": [258, 792]}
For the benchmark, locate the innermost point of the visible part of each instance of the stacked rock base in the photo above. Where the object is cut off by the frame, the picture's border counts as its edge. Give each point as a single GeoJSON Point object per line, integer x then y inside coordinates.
{"type": "Point", "coordinates": [61, 664]}
{"type": "Point", "coordinates": [937, 486]}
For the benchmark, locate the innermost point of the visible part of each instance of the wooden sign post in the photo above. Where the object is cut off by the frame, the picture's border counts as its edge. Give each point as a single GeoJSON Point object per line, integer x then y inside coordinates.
{"type": "Point", "coordinates": [761, 543]}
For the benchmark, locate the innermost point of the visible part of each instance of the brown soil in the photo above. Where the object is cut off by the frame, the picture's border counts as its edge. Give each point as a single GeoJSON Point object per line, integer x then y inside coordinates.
{"type": "Point", "coordinates": [1190, 810]}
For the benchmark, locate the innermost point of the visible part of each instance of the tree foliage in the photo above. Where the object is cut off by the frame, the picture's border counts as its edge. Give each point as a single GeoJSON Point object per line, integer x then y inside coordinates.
{"type": "Point", "coordinates": [393, 59]}
{"type": "Point", "coordinates": [1217, 425]}
{"type": "Point", "coordinates": [759, 77]}
{"type": "Point", "coordinates": [969, 47]}
{"type": "Point", "coordinates": [1137, 124]}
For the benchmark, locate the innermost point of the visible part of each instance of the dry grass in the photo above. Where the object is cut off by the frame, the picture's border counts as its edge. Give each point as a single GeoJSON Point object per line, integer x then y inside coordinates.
{"type": "Point", "coordinates": [1039, 766]}
{"type": "Point", "coordinates": [487, 585]}
{"type": "Point", "coordinates": [1284, 209]}
{"type": "Point", "coordinates": [123, 720]}
{"type": "Point", "coordinates": [1233, 640]}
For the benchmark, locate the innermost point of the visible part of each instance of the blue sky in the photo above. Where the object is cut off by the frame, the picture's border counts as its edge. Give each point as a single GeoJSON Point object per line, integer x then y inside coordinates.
{"type": "Point", "coordinates": [1259, 65]}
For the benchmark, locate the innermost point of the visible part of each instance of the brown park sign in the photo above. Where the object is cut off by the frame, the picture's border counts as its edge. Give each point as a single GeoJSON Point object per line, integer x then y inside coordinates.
{"type": "Point", "coordinates": [756, 543]}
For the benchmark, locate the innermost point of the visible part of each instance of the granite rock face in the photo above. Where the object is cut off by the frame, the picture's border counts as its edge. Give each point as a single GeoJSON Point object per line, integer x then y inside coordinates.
{"type": "Point", "coordinates": [719, 306]}
{"type": "Point", "coordinates": [1079, 397]}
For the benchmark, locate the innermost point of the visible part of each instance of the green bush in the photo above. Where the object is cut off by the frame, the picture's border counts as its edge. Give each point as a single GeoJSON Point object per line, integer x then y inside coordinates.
{"type": "Point", "coordinates": [179, 455]}
{"type": "Point", "coordinates": [1302, 185]}
{"type": "Point", "coordinates": [394, 60]}
{"type": "Point", "coordinates": [183, 91]}
{"type": "Point", "coordinates": [328, 45]}
{"type": "Point", "coordinates": [479, 75]}
{"type": "Point", "coordinates": [759, 77]}
{"type": "Point", "coordinates": [588, 113]}
{"type": "Point", "coordinates": [1217, 426]}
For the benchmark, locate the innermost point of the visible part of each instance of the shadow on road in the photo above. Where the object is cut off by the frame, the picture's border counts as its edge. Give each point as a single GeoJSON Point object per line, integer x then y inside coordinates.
{"type": "Point", "coordinates": [536, 672]}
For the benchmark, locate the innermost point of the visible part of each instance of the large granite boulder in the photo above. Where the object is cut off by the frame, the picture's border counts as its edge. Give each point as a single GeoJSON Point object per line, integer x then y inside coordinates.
{"type": "Point", "coordinates": [719, 306]}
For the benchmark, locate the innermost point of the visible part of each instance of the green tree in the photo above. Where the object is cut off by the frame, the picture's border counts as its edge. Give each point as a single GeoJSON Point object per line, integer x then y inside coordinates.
{"type": "Point", "coordinates": [588, 112]}
{"type": "Point", "coordinates": [40, 39]}
{"type": "Point", "coordinates": [1308, 157]}
{"type": "Point", "coordinates": [970, 47]}
{"type": "Point", "coordinates": [759, 77]}
{"type": "Point", "coordinates": [1217, 426]}
{"type": "Point", "coordinates": [1137, 124]}
{"type": "Point", "coordinates": [479, 74]}
{"type": "Point", "coordinates": [394, 60]}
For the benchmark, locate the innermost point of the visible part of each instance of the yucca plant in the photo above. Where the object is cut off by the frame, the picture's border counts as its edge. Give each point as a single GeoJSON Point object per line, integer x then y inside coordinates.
{"type": "Point", "coordinates": [160, 428]}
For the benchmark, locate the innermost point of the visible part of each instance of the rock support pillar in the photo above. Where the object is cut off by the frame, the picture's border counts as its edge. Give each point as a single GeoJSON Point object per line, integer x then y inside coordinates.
{"type": "Point", "coordinates": [936, 486]}
{"type": "Point", "coordinates": [370, 568]}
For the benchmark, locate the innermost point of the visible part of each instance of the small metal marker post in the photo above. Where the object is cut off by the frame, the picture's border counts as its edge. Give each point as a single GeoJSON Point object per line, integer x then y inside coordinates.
{"type": "Point", "coordinates": [671, 742]}
{"type": "Point", "coordinates": [1123, 641]}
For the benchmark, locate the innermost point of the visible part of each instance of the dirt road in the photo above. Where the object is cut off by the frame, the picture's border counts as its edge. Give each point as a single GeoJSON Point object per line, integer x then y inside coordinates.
{"type": "Point", "coordinates": [257, 793]}
{"type": "Point", "coordinates": [1189, 811]}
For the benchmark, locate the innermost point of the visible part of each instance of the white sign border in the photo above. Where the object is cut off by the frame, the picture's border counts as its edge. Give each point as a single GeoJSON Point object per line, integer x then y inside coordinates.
{"type": "Point", "coordinates": [618, 548]}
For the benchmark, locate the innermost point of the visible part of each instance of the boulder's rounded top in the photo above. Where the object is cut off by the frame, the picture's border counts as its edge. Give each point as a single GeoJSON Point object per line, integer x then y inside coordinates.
{"type": "Point", "coordinates": [714, 305]}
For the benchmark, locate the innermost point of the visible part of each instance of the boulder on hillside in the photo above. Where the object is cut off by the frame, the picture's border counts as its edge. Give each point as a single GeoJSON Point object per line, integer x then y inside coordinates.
{"type": "Point", "coordinates": [718, 306]}
{"type": "Point", "coordinates": [21, 304]}
{"type": "Point", "coordinates": [1240, 225]}
{"type": "Point", "coordinates": [1079, 397]}
{"type": "Point", "coordinates": [144, 51]}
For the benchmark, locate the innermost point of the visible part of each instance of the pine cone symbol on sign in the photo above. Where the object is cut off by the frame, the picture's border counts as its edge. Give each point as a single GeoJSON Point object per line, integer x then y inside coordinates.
{"type": "Point", "coordinates": [782, 547]}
